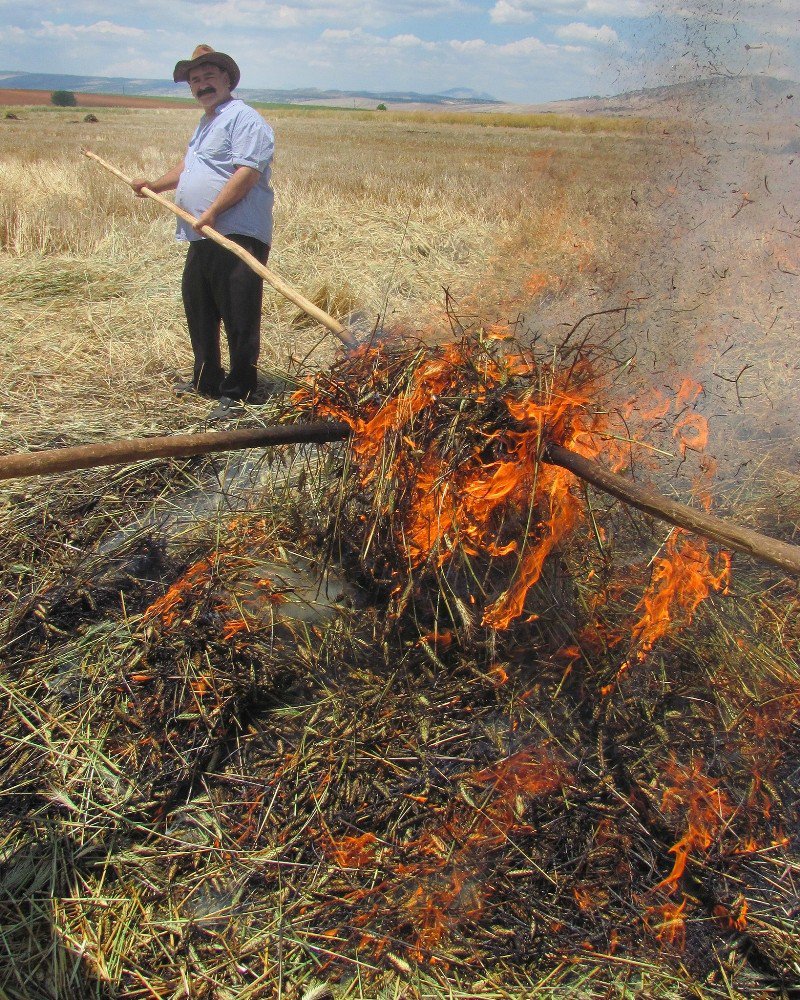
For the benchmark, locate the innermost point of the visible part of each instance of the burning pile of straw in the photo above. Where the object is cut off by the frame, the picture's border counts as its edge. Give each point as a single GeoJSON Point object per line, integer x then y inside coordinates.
{"type": "Point", "coordinates": [448, 444]}
{"type": "Point", "coordinates": [505, 763]}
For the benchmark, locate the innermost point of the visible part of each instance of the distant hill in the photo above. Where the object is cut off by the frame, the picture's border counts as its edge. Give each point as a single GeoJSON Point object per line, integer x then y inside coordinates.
{"type": "Point", "coordinates": [131, 87]}
{"type": "Point", "coordinates": [742, 96]}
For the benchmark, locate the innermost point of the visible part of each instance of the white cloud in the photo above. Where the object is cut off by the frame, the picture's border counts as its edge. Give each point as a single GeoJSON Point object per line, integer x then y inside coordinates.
{"type": "Point", "coordinates": [579, 31]}
{"type": "Point", "coordinates": [469, 45]}
{"type": "Point", "coordinates": [100, 29]}
{"type": "Point", "coordinates": [504, 12]}
{"type": "Point", "coordinates": [267, 14]}
{"type": "Point", "coordinates": [411, 42]}
{"type": "Point", "coordinates": [519, 11]}
{"type": "Point", "coordinates": [364, 46]}
{"type": "Point", "coordinates": [529, 49]}
{"type": "Point", "coordinates": [342, 34]}
{"type": "Point", "coordinates": [524, 47]}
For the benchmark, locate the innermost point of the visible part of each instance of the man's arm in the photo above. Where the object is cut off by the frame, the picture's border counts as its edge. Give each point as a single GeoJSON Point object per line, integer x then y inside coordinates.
{"type": "Point", "coordinates": [242, 181]}
{"type": "Point", "coordinates": [166, 182]}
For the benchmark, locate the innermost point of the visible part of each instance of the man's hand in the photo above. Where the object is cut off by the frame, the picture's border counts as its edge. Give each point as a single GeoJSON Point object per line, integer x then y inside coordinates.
{"type": "Point", "coordinates": [166, 182]}
{"type": "Point", "coordinates": [138, 183]}
{"type": "Point", "coordinates": [208, 218]}
{"type": "Point", "coordinates": [242, 180]}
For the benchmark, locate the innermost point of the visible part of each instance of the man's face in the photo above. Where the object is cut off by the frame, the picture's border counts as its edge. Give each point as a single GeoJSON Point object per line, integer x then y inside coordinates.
{"type": "Point", "coordinates": [210, 85]}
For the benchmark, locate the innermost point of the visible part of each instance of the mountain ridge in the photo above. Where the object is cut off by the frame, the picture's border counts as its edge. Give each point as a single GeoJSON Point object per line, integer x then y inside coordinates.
{"type": "Point", "coordinates": [138, 87]}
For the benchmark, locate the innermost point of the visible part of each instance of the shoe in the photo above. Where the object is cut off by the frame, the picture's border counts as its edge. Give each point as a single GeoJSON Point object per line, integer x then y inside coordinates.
{"type": "Point", "coordinates": [226, 409]}
{"type": "Point", "coordinates": [188, 388]}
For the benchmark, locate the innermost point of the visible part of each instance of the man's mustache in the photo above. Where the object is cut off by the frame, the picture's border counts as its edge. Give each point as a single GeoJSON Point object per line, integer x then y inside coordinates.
{"type": "Point", "coordinates": [206, 90]}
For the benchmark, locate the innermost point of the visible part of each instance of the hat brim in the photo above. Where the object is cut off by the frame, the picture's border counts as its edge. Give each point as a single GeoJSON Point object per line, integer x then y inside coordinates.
{"type": "Point", "coordinates": [182, 69]}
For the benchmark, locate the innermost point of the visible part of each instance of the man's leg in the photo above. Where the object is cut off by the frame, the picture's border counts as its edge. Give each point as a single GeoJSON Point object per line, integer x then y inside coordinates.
{"type": "Point", "coordinates": [238, 292]}
{"type": "Point", "coordinates": [202, 317]}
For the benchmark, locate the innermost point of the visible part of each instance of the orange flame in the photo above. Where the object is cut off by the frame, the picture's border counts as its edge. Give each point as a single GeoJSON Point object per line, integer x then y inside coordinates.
{"type": "Point", "coordinates": [690, 429]}
{"type": "Point", "coordinates": [691, 432]}
{"type": "Point", "coordinates": [448, 892]}
{"type": "Point", "coordinates": [528, 773]}
{"type": "Point", "coordinates": [538, 282]}
{"type": "Point", "coordinates": [434, 909]}
{"type": "Point", "coordinates": [169, 607]}
{"type": "Point", "coordinates": [458, 503]}
{"type": "Point", "coordinates": [354, 852]}
{"type": "Point", "coordinates": [706, 809]}
{"type": "Point", "coordinates": [681, 580]}
{"type": "Point", "coordinates": [234, 627]}
{"type": "Point", "coordinates": [441, 502]}
{"type": "Point", "coordinates": [733, 919]}
{"type": "Point", "coordinates": [667, 923]}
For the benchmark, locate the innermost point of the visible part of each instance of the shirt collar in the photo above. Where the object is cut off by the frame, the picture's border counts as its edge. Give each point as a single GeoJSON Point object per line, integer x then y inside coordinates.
{"type": "Point", "coordinates": [219, 109]}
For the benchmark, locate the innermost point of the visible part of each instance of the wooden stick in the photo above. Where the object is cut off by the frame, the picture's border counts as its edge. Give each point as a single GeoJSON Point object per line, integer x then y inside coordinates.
{"type": "Point", "coordinates": [726, 533]}
{"type": "Point", "coordinates": [277, 283]}
{"type": "Point", "coordinates": [125, 452]}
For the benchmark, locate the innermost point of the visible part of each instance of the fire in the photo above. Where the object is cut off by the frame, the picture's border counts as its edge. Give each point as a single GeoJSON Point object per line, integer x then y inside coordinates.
{"type": "Point", "coordinates": [691, 432]}
{"type": "Point", "coordinates": [487, 493]}
{"type": "Point", "coordinates": [275, 597]}
{"type": "Point", "coordinates": [529, 772]}
{"type": "Point", "coordinates": [565, 512]}
{"type": "Point", "coordinates": [706, 808]}
{"type": "Point", "coordinates": [734, 919]}
{"type": "Point", "coordinates": [682, 578]}
{"type": "Point", "coordinates": [438, 882]}
{"type": "Point", "coordinates": [499, 331]}
{"type": "Point", "coordinates": [354, 852]}
{"type": "Point", "coordinates": [444, 498]}
{"type": "Point", "coordinates": [690, 428]}
{"type": "Point", "coordinates": [525, 775]}
{"type": "Point", "coordinates": [667, 923]}
{"type": "Point", "coordinates": [688, 393]}
{"type": "Point", "coordinates": [448, 892]}
{"type": "Point", "coordinates": [434, 909]}
{"type": "Point", "coordinates": [499, 674]}
{"type": "Point", "coordinates": [538, 282]}
{"type": "Point", "coordinates": [202, 685]}
{"type": "Point", "coordinates": [171, 605]}
{"type": "Point", "coordinates": [234, 627]}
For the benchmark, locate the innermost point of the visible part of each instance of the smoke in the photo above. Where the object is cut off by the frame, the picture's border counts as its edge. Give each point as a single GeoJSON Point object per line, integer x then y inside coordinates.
{"type": "Point", "coordinates": [684, 41]}
{"type": "Point", "coordinates": [715, 282]}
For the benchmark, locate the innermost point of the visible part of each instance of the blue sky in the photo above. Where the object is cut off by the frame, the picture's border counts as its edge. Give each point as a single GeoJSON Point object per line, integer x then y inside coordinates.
{"type": "Point", "coordinates": [519, 50]}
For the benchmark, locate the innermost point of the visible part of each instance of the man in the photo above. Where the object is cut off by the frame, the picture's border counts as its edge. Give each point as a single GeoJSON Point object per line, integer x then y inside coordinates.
{"type": "Point", "coordinates": [224, 182]}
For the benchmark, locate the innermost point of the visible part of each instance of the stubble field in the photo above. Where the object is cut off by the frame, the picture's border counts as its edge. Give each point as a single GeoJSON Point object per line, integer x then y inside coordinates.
{"type": "Point", "coordinates": [373, 217]}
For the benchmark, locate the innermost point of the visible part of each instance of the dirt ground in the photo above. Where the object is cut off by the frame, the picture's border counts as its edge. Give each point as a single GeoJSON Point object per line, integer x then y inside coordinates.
{"type": "Point", "coordinates": [712, 286]}
{"type": "Point", "coordinates": [16, 98]}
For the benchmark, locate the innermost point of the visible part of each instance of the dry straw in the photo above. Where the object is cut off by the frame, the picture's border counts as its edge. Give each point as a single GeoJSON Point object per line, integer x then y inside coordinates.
{"type": "Point", "coordinates": [226, 770]}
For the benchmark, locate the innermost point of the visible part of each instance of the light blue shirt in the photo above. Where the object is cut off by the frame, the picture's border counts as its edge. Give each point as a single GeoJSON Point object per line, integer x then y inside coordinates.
{"type": "Point", "coordinates": [235, 136]}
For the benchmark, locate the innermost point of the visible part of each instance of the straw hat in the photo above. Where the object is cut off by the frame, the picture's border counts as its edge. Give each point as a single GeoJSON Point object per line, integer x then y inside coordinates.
{"type": "Point", "coordinates": [205, 54]}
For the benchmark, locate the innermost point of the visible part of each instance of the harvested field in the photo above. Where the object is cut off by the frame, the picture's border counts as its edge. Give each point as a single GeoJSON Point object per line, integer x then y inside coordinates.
{"type": "Point", "coordinates": [34, 98]}
{"type": "Point", "coordinates": [418, 716]}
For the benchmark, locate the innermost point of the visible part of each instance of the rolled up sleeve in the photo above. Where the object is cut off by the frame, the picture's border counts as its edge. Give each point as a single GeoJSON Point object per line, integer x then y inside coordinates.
{"type": "Point", "coordinates": [252, 142]}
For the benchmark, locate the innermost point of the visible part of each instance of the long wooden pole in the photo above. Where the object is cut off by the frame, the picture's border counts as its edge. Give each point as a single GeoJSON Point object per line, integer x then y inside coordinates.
{"type": "Point", "coordinates": [126, 452]}
{"type": "Point", "coordinates": [269, 276]}
{"type": "Point", "coordinates": [731, 535]}
{"type": "Point", "coordinates": [42, 463]}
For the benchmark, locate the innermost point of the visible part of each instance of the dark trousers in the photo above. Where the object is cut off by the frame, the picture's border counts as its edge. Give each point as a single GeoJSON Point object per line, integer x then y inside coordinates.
{"type": "Point", "coordinates": [217, 286]}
